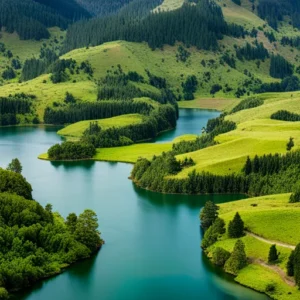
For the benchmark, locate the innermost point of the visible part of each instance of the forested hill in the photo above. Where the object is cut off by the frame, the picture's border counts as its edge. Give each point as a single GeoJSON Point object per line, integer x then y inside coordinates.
{"type": "Point", "coordinates": [31, 18]}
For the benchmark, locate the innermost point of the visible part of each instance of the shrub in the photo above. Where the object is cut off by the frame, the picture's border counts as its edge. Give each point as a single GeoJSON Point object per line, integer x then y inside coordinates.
{"type": "Point", "coordinates": [220, 256]}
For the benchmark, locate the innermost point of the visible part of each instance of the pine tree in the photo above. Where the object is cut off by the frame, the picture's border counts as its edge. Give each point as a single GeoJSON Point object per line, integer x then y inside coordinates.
{"type": "Point", "coordinates": [290, 144]}
{"type": "Point", "coordinates": [290, 264]}
{"type": "Point", "coordinates": [248, 166]}
{"type": "Point", "coordinates": [236, 227]}
{"type": "Point", "coordinates": [273, 254]}
{"type": "Point", "coordinates": [208, 214]}
{"type": "Point", "coordinates": [237, 259]}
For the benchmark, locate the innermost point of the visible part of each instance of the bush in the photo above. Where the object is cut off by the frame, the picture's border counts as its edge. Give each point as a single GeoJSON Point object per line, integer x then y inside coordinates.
{"type": "Point", "coordinates": [295, 197]}
{"type": "Point", "coordinates": [212, 233]}
{"type": "Point", "coordinates": [270, 287]}
{"type": "Point", "coordinates": [220, 256]}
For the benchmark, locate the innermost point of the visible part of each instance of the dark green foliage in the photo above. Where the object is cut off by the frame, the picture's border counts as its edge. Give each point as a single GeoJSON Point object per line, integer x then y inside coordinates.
{"type": "Point", "coordinates": [36, 244]}
{"type": "Point", "coordinates": [284, 115]}
{"type": "Point", "coordinates": [290, 144]}
{"type": "Point", "coordinates": [94, 110]}
{"type": "Point", "coordinates": [13, 105]}
{"type": "Point", "coordinates": [249, 52]}
{"type": "Point", "coordinates": [291, 264]}
{"type": "Point", "coordinates": [229, 60]}
{"type": "Point", "coordinates": [215, 88]}
{"type": "Point", "coordinates": [160, 119]}
{"type": "Point", "coordinates": [213, 232]}
{"type": "Point", "coordinates": [238, 2]}
{"type": "Point", "coordinates": [8, 73]}
{"type": "Point", "coordinates": [290, 41]}
{"type": "Point", "coordinates": [274, 11]}
{"type": "Point", "coordinates": [274, 163]}
{"type": "Point", "coordinates": [270, 35]}
{"type": "Point", "coordinates": [71, 222]}
{"type": "Point", "coordinates": [236, 227]}
{"type": "Point", "coordinates": [34, 67]}
{"type": "Point", "coordinates": [248, 166]}
{"type": "Point", "coordinates": [86, 230]}
{"type": "Point", "coordinates": [295, 197]}
{"type": "Point", "coordinates": [87, 68]}
{"type": "Point", "coordinates": [208, 214]}
{"type": "Point", "coordinates": [14, 183]}
{"type": "Point", "coordinates": [15, 166]}
{"type": "Point", "coordinates": [237, 260]}
{"type": "Point", "coordinates": [189, 87]}
{"type": "Point", "coordinates": [30, 19]}
{"type": "Point", "coordinates": [71, 150]}
{"type": "Point", "coordinates": [220, 256]}
{"type": "Point", "coordinates": [16, 64]}
{"type": "Point", "coordinates": [69, 98]}
{"type": "Point", "coordinates": [288, 84]}
{"type": "Point", "coordinates": [198, 25]}
{"type": "Point", "coordinates": [247, 103]}
{"type": "Point", "coordinates": [182, 54]}
{"type": "Point", "coordinates": [297, 265]}
{"type": "Point", "coordinates": [270, 287]}
{"type": "Point", "coordinates": [273, 254]}
{"type": "Point", "coordinates": [280, 67]}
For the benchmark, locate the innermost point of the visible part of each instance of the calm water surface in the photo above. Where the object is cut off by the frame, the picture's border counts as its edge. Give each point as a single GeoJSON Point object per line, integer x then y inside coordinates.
{"type": "Point", "coordinates": [152, 248]}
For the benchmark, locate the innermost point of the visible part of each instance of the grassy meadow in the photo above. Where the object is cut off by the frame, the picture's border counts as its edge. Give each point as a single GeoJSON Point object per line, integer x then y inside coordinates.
{"type": "Point", "coordinates": [77, 129]}
{"type": "Point", "coordinates": [256, 134]}
{"type": "Point", "coordinates": [274, 219]}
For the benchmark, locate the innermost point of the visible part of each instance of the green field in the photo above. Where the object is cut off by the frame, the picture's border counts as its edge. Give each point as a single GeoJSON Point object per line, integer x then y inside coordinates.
{"type": "Point", "coordinates": [168, 5]}
{"type": "Point", "coordinates": [130, 154]}
{"type": "Point", "coordinates": [256, 134]}
{"type": "Point", "coordinates": [274, 219]}
{"type": "Point", "coordinates": [77, 129]}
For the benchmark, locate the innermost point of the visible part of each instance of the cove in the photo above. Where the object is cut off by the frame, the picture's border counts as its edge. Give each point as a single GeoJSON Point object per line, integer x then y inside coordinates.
{"type": "Point", "coordinates": [152, 248]}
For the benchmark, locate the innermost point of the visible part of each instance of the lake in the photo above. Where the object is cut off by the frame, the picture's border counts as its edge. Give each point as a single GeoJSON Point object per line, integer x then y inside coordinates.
{"type": "Point", "coordinates": [152, 248]}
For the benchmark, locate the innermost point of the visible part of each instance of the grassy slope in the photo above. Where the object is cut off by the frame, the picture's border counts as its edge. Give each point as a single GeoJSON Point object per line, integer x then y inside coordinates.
{"type": "Point", "coordinates": [168, 5]}
{"type": "Point", "coordinates": [77, 129]}
{"type": "Point", "coordinates": [263, 220]}
{"type": "Point", "coordinates": [256, 134]}
{"type": "Point", "coordinates": [130, 154]}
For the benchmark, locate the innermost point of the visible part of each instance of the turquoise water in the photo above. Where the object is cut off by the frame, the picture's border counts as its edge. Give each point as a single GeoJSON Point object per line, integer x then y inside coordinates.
{"type": "Point", "coordinates": [152, 248]}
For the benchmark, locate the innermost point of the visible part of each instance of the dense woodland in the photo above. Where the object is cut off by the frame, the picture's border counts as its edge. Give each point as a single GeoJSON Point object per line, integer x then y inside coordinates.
{"type": "Point", "coordinates": [35, 242]}
{"type": "Point", "coordinates": [30, 19]}
{"type": "Point", "coordinates": [201, 26]}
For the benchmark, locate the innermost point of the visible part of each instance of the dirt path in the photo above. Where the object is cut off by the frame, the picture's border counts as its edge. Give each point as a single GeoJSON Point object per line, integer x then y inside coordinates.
{"type": "Point", "coordinates": [288, 280]}
{"type": "Point", "coordinates": [270, 241]}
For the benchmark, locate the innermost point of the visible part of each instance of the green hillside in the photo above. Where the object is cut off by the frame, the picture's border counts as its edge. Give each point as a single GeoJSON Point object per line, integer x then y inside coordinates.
{"type": "Point", "coordinates": [261, 216]}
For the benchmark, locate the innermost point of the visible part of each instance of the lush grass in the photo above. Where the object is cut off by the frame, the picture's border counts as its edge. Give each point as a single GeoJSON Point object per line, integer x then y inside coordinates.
{"type": "Point", "coordinates": [258, 277]}
{"type": "Point", "coordinates": [273, 217]}
{"type": "Point", "coordinates": [77, 129]}
{"type": "Point", "coordinates": [168, 5]}
{"type": "Point", "coordinates": [256, 134]}
{"type": "Point", "coordinates": [254, 249]}
{"type": "Point", "coordinates": [132, 153]}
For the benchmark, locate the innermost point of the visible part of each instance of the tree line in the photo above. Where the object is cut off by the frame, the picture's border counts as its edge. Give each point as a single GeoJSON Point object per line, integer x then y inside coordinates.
{"type": "Point", "coordinates": [30, 19]}
{"type": "Point", "coordinates": [287, 84]}
{"type": "Point", "coordinates": [94, 110]}
{"type": "Point", "coordinates": [160, 119]}
{"type": "Point", "coordinates": [249, 52]}
{"type": "Point", "coordinates": [11, 106]}
{"type": "Point", "coordinates": [280, 67]}
{"type": "Point", "coordinates": [199, 25]}
{"type": "Point", "coordinates": [284, 115]}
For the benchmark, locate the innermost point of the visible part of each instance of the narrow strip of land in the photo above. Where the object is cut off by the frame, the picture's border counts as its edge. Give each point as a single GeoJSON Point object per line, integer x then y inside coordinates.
{"type": "Point", "coordinates": [270, 241]}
